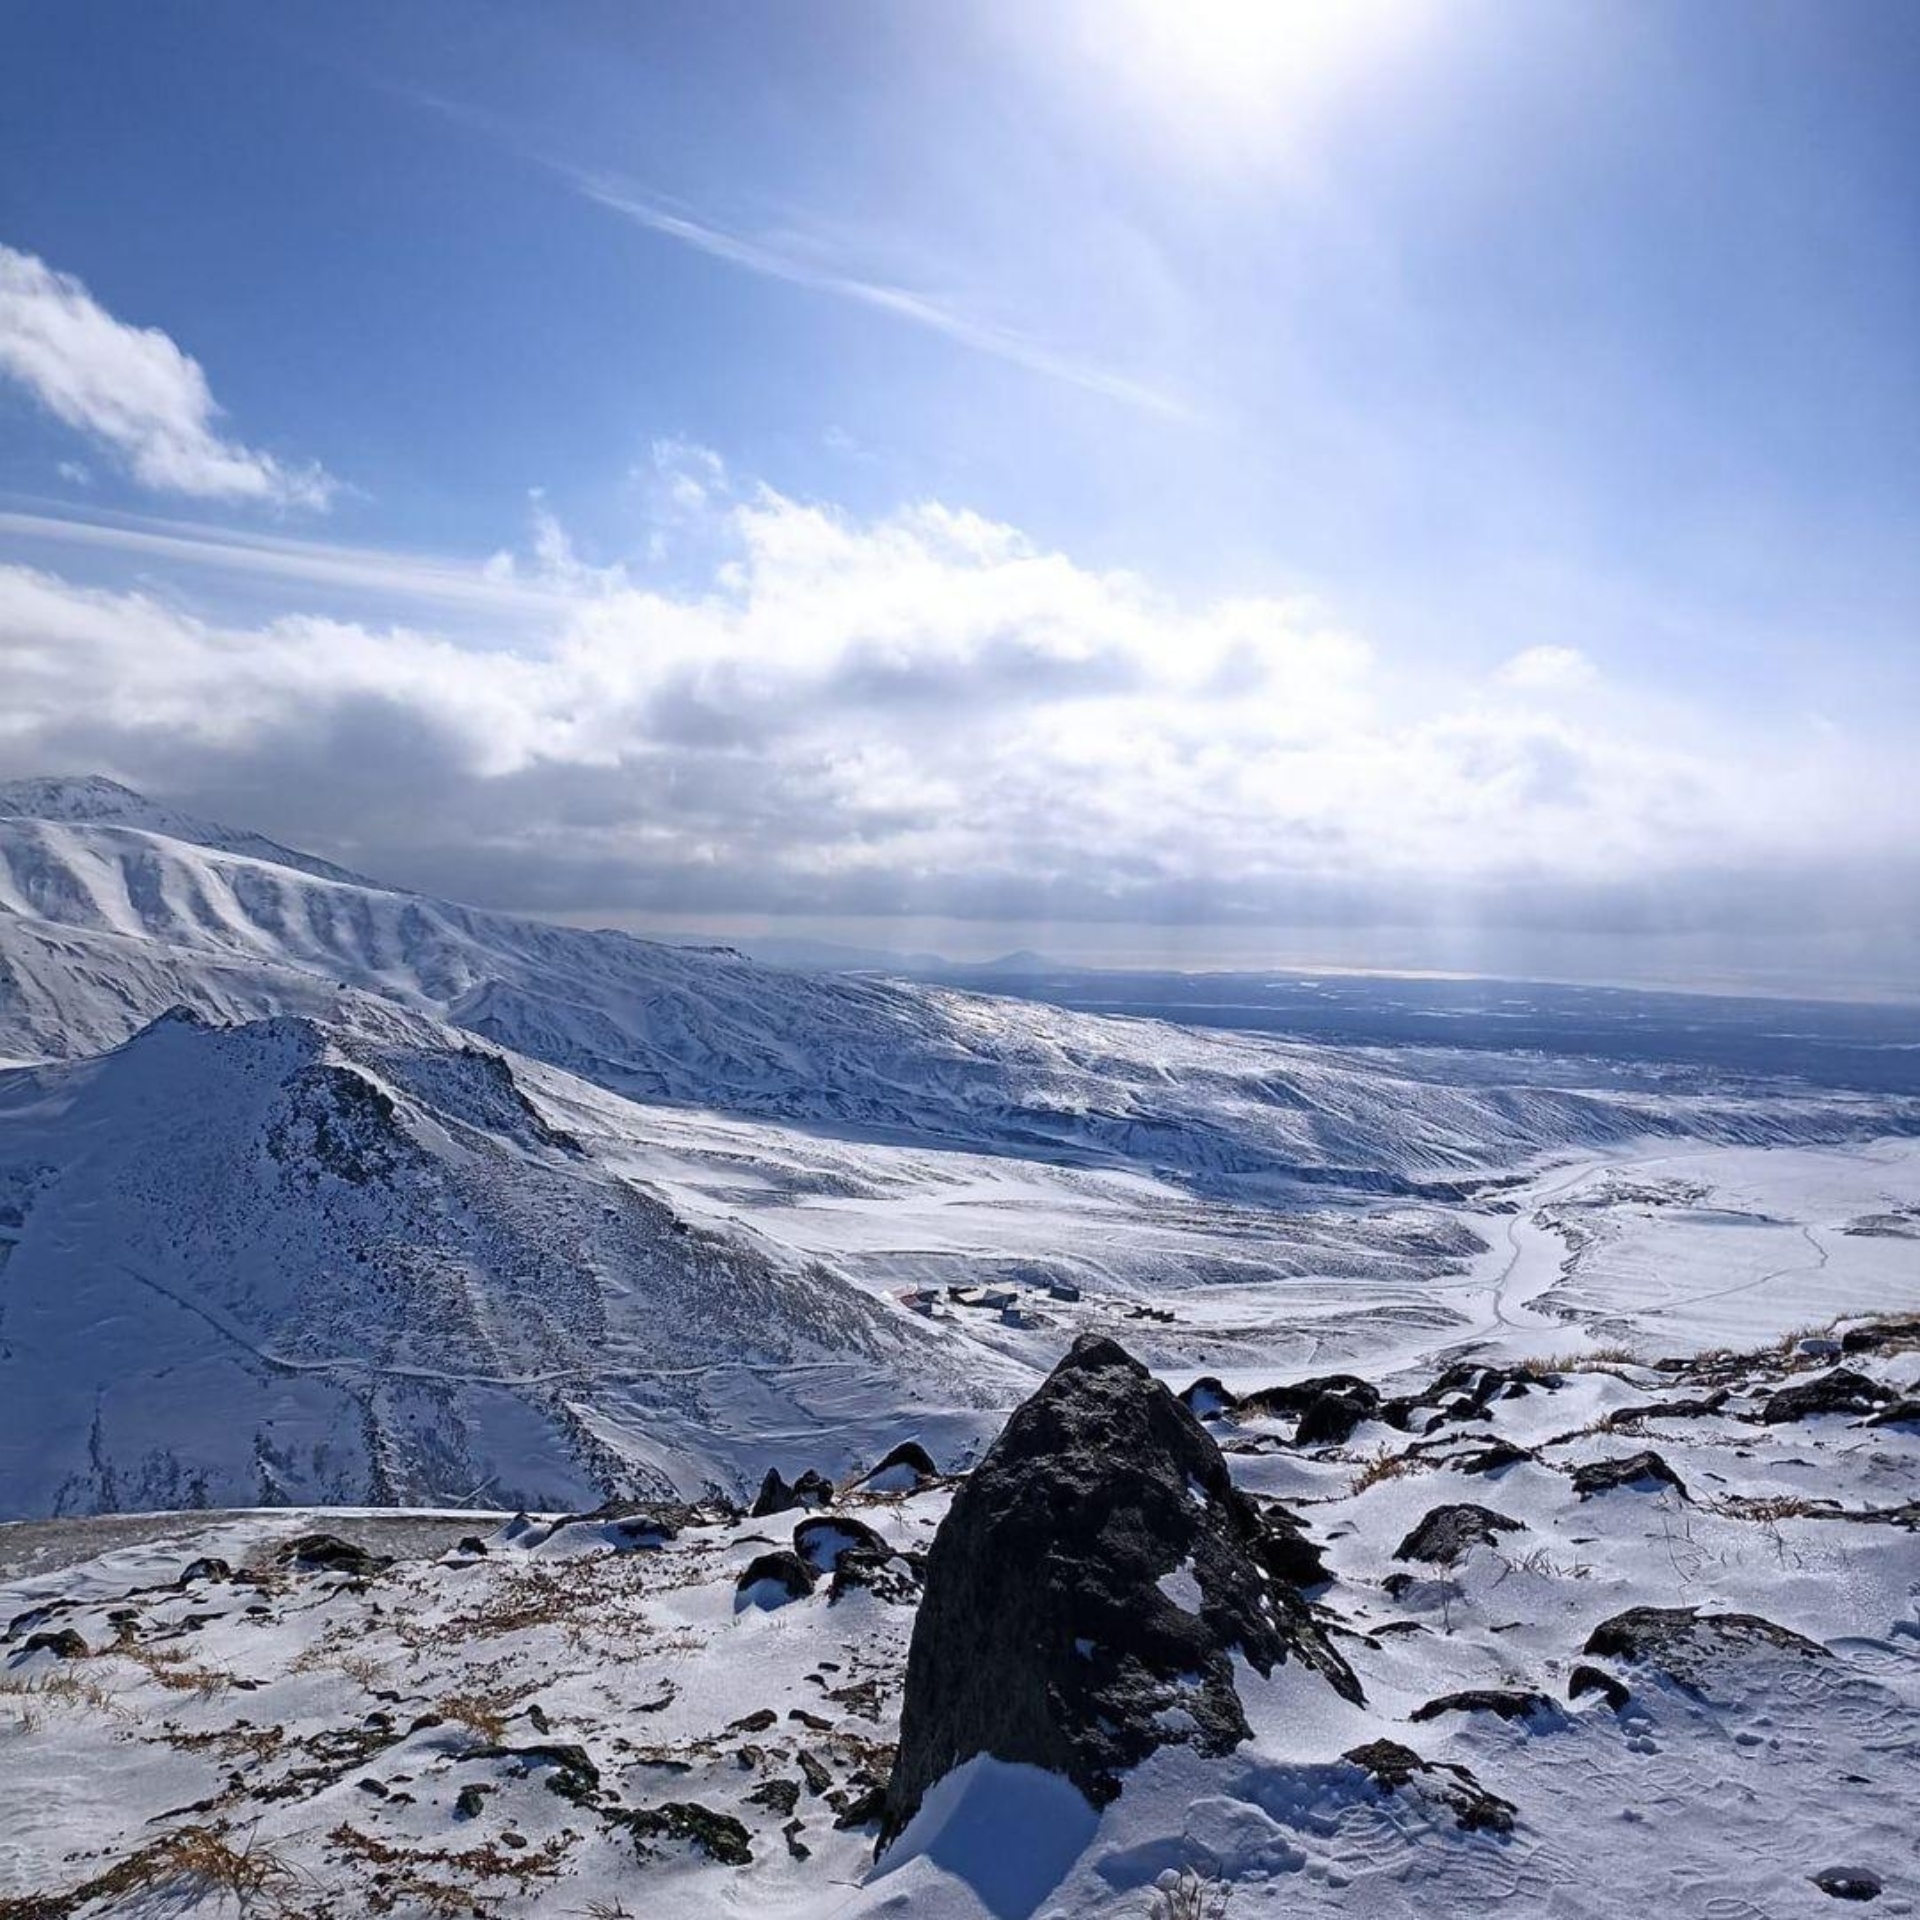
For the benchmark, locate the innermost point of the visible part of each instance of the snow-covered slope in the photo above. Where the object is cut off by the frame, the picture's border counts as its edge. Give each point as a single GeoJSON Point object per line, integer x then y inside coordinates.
{"type": "Point", "coordinates": [530, 1719]}
{"type": "Point", "coordinates": [110, 913]}
{"type": "Point", "coordinates": [295, 1261]}
{"type": "Point", "coordinates": [92, 800]}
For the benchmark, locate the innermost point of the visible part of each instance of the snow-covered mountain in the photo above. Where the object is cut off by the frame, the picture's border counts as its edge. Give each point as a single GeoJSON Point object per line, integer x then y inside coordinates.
{"type": "Point", "coordinates": [315, 1190]}
{"type": "Point", "coordinates": [352, 1262]}
{"type": "Point", "coordinates": [112, 911]}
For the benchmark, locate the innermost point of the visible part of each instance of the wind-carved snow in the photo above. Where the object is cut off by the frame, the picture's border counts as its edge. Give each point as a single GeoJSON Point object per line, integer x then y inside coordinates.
{"type": "Point", "coordinates": [288, 1262]}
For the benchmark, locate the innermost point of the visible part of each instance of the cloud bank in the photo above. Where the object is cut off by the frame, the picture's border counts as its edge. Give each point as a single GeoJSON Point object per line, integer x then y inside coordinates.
{"type": "Point", "coordinates": [132, 391]}
{"type": "Point", "coordinates": [928, 714]}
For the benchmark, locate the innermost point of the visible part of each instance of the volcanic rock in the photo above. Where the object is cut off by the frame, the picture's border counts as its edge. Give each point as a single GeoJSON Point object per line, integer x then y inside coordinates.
{"type": "Point", "coordinates": [1089, 1592]}
{"type": "Point", "coordinates": [1449, 1532]}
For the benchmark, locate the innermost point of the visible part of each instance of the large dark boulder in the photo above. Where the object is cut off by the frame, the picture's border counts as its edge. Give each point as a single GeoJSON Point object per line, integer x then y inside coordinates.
{"type": "Point", "coordinates": [1841, 1391]}
{"type": "Point", "coordinates": [821, 1540]}
{"type": "Point", "coordinates": [1394, 1768]}
{"type": "Point", "coordinates": [328, 1553]}
{"type": "Point", "coordinates": [1635, 1472]}
{"type": "Point", "coordinates": [772, 1579]}
{"type": "Point", "coordinates": [1207, 1397]}
{"type": "Point", "coordinates": [1089, 1591]}
{"type": "Point", "coordinates": [1449, 1533]}
{"type": "Point", "coordinates": [1330, 1419]}
{"type": "Point", "coordinates": [1290, 1401]}
{"type": "Point", "coordinates": [777, 1496]}
{"type": "Point", "coordinates": [906, 1469]}
{"type": "Point", "coordinates": [1686, 1645]}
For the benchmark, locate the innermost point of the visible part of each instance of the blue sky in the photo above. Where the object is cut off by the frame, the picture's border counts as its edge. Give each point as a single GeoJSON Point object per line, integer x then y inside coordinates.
{"type": "Point", "coordinates": [1422, 481]}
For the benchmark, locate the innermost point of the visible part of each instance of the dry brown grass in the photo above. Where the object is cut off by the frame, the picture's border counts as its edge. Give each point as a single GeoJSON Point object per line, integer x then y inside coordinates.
{"type": "Point", "coordinates": [182, 1869]}
{"type": "Point", "coordinates": [244, 1741]}
{"type": "Point", "coordinates": [1770, 1508]}
{"type": "Point", "coordinates": [172, 1669]}
{"type": "Point", "coordinates": [484, 1714]}
{"type": "Point", "coordinates": [1589, 1360]}
{"type": "Point", "coordinates": [411, 1880]}
{"type": "Point", "coordinates": [63, 1686]}
{"type": "Point", "coordinates": [1381, 1464]}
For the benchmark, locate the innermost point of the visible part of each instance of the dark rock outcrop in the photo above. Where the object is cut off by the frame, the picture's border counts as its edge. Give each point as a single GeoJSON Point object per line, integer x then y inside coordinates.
{"type": "Point", "coordinates": [1878, 1334]}
{"type": "Point", "coordinates": [1448, 1533]}
{"type": "Point", "coordinates": [777, 1496]}
{"type": "Point", "coordinates": [1669, 1409]}
{"type": "Point", "coordinates": [896, 1578]}
{"type": "Point", "coordinates": [718, 1835]}
{"type": "Point", "coordinates": [1463, 1392]}
{"type": "Point", "coordinates": [907, 1466]}
{"type": "Point", "coordinates": [1089, 1591]}
{"type": "Point", "coordinates": [62, 1642]}
{"type": "Point", "coordinates": [1291, 1401]}
{"type": "Point", "coordinates": [1207, 1397]}
{"type": "Point", "coordinates": [1642, 1471]}
{"type": "Point", "coordinates": [1495, 1457]}
{"type": "Point", "coordinates": [1510, 1703]}
{"type": "Point", "coordinates": [328, 1553]}
{"type": "Point", "coordinates": [1686, 1645]}
{"type": "Point", "coordinates": [1330, 1419]}
{"type": "Point", "coordinates": [771, 1579]}
{"type": "Point", "coordinates": [1397, 1769]}
{"type": "Point", "coordinates": [1849, 1883]}
{"type": "Point", "coordinates": [821, 1540]}
{"type": "Point", "coordinates": [1585, 1679]}
{"type": "Point", "coordinates": [1840, 1391]}
{"type": "Point", "coordinates": [1285, 1549]}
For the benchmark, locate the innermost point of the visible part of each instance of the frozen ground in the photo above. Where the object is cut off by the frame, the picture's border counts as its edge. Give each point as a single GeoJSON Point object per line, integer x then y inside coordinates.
{"type": "Point", "coordinates": [588, 1719]}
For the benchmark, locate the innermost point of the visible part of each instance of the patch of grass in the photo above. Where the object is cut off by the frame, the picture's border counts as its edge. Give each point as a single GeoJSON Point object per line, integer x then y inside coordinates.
{"type": "Point", "coordinates": [242, 1741]}
{"type": "Point", "coordinates": [174, 1671]}
{"type": "Point", "coordinates": [1589, 1360]}
{"type": "Point", "coordinates": [410, 1879]}
{"type": "Point", "coordinates": [1769, 1508]}
{"type": "Point", "coordinates": [64, 1686]}
{"type": "Point", "coordinates": [1194, 1894]}
{"type": "Point", "coordinates": [180, 1870]}
{"type": "Point", "coordinates": [484, 1715]}
{"type": "Point", "coordinates": [1381, 1464]}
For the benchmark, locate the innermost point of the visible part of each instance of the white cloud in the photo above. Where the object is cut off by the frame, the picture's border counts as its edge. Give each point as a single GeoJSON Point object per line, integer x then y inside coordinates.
{"type": "Point", "coordinates": [923, 712]}
{"type": "Point", "coordinates": [132, 389]}
{"type": "Point", "coordinates": [1549, 670]}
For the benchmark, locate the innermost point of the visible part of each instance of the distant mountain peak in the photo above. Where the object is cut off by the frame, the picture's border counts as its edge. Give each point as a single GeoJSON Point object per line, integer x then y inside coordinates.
{"type": "Point", "coordinates": [71, 796]}
{"type": "Point", "coordinates": [97, 800]}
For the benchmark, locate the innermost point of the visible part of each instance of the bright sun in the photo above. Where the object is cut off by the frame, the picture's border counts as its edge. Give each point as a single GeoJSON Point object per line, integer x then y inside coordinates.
{"type": "Point", "coordinates": [1243, 59]}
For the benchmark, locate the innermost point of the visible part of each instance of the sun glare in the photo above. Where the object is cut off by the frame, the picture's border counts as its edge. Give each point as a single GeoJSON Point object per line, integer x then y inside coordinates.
{"type": "Point", "coordinates": [1232, 68]}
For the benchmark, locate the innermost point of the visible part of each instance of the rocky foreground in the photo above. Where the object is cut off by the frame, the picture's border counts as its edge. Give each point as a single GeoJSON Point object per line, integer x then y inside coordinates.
{"type": "Point", "coordinates": [1597, 1638]}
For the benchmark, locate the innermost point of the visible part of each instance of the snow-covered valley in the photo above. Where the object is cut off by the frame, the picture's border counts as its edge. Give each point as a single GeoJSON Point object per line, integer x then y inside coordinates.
{"type": "Point", "coordinates": [322, 1203]}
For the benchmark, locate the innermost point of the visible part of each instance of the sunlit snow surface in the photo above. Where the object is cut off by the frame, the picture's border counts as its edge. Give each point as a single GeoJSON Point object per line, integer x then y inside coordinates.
{"type": "Point", "coordinates": [629, 1217]}
{"type": "Point", "coordinates": [433, 1208]}
{"type": "Point", "coordinates": [332, 1724]}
